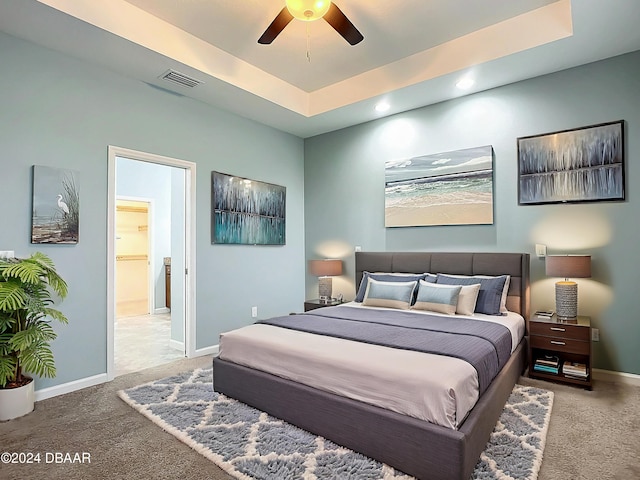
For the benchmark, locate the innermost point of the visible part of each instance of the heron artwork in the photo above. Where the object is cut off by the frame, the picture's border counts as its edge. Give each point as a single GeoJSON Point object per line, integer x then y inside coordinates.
{"type": "Point", "coordinates": [63, 206]}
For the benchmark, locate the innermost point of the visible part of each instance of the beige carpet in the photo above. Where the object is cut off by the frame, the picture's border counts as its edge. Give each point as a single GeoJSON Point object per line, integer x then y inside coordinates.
{"type": "Point", "coordinates": [592, 435]}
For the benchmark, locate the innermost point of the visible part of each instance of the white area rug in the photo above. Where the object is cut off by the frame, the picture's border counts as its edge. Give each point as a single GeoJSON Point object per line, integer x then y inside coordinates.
{"type": "Point", "coordinates": [252, 445]}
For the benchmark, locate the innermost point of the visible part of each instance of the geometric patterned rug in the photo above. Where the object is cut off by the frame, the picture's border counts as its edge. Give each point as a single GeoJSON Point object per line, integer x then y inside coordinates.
{"type": "Point", "coordinates": [252, 445]}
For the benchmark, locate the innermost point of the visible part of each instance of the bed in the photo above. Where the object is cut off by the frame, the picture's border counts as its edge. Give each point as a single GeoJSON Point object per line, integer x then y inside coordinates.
{"type": "Point", "coordinates": [410, 444]}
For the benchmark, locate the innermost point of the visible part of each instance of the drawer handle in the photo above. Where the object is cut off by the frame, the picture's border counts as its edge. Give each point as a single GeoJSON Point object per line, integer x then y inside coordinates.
{"type": "Point", "coordinates": [556, 329]}
{"type": "Point", "coordinates": [557, 343]}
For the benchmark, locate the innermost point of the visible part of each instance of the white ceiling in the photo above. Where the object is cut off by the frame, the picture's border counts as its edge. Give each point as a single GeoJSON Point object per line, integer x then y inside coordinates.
{"type": "Point", "coordinates": [413, 51]}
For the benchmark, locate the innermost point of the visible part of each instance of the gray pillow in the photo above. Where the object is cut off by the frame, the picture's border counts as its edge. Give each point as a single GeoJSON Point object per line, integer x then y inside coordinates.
{"type": "Point", "coordinates": [490, 294]}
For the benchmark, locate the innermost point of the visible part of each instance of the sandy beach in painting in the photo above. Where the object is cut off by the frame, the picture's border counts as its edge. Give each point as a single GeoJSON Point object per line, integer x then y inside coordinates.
{"type": "Point", "coordinates": [450, 188]}
{"type": "Point", "coordinates": [452, 201]}
{"type": "Point", "coordinates": [464, 214]}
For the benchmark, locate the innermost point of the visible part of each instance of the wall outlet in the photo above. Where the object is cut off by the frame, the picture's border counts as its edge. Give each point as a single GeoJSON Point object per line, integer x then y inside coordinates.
{"type": "Point", "coordinates": [254, 312]}
{"type": "Point", "coordinates": [595, 335]}
{"type": "Point", "coordinates": [7, 254]}
{"type": "Point", "coordinates": [358, 248]}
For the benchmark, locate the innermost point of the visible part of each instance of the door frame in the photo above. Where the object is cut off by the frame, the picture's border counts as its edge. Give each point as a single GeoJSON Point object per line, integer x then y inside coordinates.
{"type": "Point", "coordinates": [190, 246]}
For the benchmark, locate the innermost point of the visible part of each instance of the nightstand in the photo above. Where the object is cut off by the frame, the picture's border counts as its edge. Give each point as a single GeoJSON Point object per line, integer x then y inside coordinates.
{"type": "Point", "coordinates": [567, 340]}
{"type": "Point", "coordinates": [317, 303]}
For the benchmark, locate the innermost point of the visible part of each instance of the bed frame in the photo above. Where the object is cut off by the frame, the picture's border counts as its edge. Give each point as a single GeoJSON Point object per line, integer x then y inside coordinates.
{"type": "Point", "coordinates": [413, 446]}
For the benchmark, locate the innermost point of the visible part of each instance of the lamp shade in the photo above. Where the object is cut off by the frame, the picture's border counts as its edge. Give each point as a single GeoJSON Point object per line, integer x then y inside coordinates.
{"type": "Point", "coordinates": [308, 10]}
{"type": "Point", "coordinates": [325, 268]}
{"type": "Point", "coordinates": [568, 266]}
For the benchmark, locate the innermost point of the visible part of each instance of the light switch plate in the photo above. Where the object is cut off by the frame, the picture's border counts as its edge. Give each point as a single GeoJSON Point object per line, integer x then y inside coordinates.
{"type": "Point", "coordinates": [541, 250]}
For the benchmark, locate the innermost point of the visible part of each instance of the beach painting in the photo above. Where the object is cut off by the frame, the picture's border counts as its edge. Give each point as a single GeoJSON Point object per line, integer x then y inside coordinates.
{"type": "Point", "coordinates": [247, 212]}
{"type": "Point", "coordinates": [55, 206]}
{"type": "Point", "coordinates": [580, 165]}
{"type": "Point", "coordinates": [450, 188]}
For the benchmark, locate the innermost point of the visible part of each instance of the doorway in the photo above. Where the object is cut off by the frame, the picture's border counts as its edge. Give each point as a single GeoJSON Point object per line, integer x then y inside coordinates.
{"type": "Point", "coordinates": [133, 218]}
{"type": "Point", "coordinates": [151, 218]}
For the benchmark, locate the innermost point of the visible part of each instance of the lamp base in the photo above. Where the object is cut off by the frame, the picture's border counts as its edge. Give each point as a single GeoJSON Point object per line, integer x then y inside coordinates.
{"type": "Point", "coordinates": [566, 299]}
{"type": "Point", "coordinates": [325, 287]}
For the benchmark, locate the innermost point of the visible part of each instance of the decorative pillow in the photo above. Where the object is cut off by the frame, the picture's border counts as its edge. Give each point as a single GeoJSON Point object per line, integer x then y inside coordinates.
{"type": "Point", "coordinates": [386, 277]}
{"type": "Point", "coordinates": [505, 291]}
{"type": "Point", "coordinates": [430, 277]}
{"type": "Point", "coordinates": [467, 299]}
{"type": "Point", "coordinates": [490, 294]}
{"type": "Point", "coordinates": [389, 294]}
{"type": "Point", "coordinates": [437, 298]}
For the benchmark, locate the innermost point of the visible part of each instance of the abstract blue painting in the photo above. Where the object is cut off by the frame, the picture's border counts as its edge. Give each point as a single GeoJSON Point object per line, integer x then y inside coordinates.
{"type": "Point", "coordinates": [580, 165]}
{"type": "Point", "coordinates": [247, 212]}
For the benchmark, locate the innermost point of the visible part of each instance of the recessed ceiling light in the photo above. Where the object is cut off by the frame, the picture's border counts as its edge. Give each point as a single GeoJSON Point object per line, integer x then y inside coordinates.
{"type": "Point", "coordinates": [465, 83]}
{"type": "Point", "coordinates": [382, 107]}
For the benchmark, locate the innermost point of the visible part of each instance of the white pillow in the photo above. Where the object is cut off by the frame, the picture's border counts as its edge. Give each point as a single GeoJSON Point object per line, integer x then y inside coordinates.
{"type": "Point", "coordinates": [467, 299]}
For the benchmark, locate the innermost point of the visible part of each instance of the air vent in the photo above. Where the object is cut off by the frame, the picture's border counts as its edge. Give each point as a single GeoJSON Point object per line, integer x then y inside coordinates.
{"type": "Point", "coordinates": [180, 79]}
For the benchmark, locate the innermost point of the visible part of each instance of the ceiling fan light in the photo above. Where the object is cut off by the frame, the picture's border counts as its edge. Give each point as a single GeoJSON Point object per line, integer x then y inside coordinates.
{"type": "Point", "coordinates": [308, 10]}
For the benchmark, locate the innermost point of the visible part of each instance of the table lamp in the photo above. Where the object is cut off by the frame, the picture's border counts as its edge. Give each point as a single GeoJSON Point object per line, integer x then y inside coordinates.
{"type": "Point", "coordinates": [325, 269]}
{"type": "Point", "coordinates": [574, 266]}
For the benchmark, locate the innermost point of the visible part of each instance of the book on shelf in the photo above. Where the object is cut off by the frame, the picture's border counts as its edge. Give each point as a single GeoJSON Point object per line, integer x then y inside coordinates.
{"type": "Point", "coordinates": [545, 369]}
{"type": "Point", "coordinates": [548, 360]}
{"type": "Point", "coordinates": [547, 364]}
{"type": "Point", "coordinates": [575, 369]}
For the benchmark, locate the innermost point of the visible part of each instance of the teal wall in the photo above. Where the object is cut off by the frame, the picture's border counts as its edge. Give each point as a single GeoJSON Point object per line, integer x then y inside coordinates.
{"type": "Point", "coordinates": [344, 191]}
{"type": "Point", "coordinates": [61, 112]}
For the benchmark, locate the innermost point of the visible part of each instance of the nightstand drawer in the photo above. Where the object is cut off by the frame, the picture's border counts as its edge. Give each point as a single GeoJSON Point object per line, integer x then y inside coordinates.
{"type": "Point", "coordinates": [567, 345]}
{"type": "Point", "coordinates": [564, 330]}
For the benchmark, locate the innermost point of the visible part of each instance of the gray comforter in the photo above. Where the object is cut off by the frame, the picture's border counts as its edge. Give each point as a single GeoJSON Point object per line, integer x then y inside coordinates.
{"type": "Point", "coordinates": [484, 345]}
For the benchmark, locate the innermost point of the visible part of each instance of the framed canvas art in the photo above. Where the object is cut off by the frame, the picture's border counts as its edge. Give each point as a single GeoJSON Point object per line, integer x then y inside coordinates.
{"type": "Point", "coordinates": [579, 165]}
{"type": "Point", "coordinates": [56, 206]}
{"type": "Point", "coordinates": [247, 212]}
{"type": "Point", "coordinates": [450, 188]}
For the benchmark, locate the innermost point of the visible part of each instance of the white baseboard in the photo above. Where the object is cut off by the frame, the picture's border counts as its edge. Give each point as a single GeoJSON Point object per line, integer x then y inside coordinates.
{"type": "Point", "coordinates": [213, 350]}
{"type": "Point", "coordinates": [157, 311]}
{"type": "Point", "coordinates": [69, 387]}
{"type": "Point", "coordinates": [175, 344]}
{"type": "Point", "coordinates": [616, 377]}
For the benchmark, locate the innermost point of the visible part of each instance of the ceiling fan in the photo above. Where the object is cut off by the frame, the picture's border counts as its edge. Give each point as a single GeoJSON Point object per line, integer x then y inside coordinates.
{"type": "Point", "coordinates": [310, 10]}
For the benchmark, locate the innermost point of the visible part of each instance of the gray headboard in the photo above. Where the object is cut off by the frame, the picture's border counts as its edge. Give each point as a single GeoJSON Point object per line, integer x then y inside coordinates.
{"type": "Point", "coordinates": [514, 264]}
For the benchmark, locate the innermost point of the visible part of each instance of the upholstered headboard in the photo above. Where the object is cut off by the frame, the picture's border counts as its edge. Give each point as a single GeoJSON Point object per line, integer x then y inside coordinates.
{"type": "Point", "coordinates": [514, 264]}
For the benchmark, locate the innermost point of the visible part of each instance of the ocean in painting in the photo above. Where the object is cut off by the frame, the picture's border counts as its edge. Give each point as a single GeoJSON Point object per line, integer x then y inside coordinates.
{"type": "Point", "coordinates": [451, 188]}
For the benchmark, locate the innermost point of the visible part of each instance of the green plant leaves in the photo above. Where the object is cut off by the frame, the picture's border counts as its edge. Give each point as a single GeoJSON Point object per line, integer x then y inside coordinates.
{"type": "Point", "coordinates": [12, 296]}
{"type": "Point", "coordinates": [26, 288]}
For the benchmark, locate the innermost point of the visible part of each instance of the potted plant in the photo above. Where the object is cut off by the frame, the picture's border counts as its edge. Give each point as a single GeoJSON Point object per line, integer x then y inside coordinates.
{"type": "Point", "coordinates": [26, 296]}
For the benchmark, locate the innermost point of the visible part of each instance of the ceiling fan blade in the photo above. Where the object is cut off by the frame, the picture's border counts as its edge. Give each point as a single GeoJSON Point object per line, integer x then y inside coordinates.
{"type": "Point", "coordinates": [343, 25]}
{"type": "Point", "coordinates": [278, 24]}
